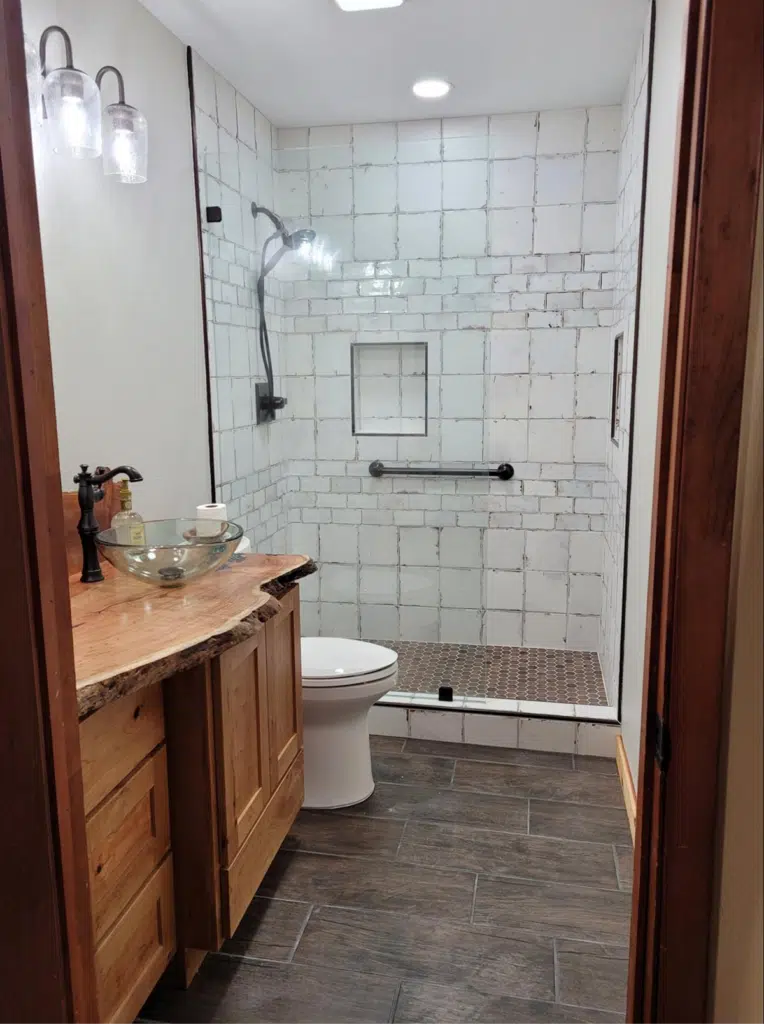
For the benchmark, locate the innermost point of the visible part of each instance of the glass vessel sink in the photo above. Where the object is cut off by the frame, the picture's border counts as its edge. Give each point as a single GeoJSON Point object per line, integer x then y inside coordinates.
{"type": "Point", "coordinates": [176, 551]}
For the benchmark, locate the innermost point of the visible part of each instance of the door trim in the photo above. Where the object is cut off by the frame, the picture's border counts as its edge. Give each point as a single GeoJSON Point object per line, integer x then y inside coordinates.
{"type": "Point", "coordinates": [46, 966]}
{"type": "Point", "coordinates": [717, 179]}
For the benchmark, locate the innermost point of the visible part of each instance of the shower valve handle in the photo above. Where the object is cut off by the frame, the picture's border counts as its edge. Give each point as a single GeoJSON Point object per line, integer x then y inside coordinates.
{"type": "Point", "coordinates": [273, 402]}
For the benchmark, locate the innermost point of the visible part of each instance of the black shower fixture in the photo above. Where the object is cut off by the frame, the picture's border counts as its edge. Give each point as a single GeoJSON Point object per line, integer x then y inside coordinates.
{"type": "Point", "coordinates": [267, 403]}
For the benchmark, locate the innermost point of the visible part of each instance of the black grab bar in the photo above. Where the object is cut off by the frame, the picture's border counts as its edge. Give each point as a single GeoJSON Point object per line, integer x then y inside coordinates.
{"type": "Point", "coordinates": [504, 472]}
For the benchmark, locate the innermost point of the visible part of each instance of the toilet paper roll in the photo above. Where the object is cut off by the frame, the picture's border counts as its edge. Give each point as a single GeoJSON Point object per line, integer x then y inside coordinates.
{"type": "Point", "coordinates": [209, 518]}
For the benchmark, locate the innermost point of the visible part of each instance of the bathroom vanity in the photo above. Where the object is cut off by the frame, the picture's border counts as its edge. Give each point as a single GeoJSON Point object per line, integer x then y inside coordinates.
{"type": "Point", "coordinates": [191, 744]}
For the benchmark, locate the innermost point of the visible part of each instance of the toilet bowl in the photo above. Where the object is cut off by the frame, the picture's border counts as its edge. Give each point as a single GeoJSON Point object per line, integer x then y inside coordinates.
{"type": "Point", "coordinates": [341, 680]}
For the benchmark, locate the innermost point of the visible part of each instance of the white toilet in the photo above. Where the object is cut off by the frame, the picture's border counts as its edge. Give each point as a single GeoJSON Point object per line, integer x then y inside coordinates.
{"type": "Point", "coordinates": [341, 680]}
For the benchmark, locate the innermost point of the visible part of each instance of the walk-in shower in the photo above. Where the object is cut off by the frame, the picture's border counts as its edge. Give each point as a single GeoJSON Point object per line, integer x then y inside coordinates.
{"type": "Point", "coordinates": [450, 303]}
{"type": "Point", "coordinates": [267, 402]}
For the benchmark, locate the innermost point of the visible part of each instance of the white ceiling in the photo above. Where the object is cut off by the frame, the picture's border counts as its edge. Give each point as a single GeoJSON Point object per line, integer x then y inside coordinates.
{"type": "Point", "coordinates": [305, 62]}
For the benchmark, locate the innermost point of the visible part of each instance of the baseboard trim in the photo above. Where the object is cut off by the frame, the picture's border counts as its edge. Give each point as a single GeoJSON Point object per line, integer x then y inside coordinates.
{"type": "Point", "coordinates": [627, 785]}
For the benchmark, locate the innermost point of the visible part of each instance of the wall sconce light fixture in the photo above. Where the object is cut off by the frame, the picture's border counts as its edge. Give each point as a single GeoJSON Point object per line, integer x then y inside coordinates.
{"type": "Point", "coordinates": [72, 104]}
{"type": "Point", "coordinates": [125, 131]}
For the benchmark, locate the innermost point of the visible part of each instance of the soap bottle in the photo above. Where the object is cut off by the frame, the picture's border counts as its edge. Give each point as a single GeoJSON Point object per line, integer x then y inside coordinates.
{"type": "Point", "coordinates": [127, 524]}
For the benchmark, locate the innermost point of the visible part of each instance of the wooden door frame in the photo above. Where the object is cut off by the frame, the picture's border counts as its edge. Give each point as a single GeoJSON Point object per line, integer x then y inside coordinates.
{"type": "Point", "coordinates": [717, 179]}
{"type": "Point", "coordinates": [46, 959]}
{"type": "Point", "coordinates": [46, 967]}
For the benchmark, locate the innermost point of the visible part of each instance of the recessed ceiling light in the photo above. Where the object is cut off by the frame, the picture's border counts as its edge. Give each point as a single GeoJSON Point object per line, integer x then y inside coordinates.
{"type": "Point", "coordinates": [366, 5]}
{"type": "Point", "coordinates": [431, 88]}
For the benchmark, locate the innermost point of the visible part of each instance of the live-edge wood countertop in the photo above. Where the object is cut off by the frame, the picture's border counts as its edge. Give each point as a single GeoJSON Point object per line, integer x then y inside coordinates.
{"type": "Point", "coordinates": [128, 634]}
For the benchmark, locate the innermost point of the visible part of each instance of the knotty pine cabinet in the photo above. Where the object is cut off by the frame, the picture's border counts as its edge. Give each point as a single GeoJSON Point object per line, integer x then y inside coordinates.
{"type": "Point", "coordinates": [191, 786]}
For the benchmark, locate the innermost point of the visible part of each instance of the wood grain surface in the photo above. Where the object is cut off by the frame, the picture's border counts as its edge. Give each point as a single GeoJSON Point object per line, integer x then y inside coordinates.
{"type": "Point", "coordinates": [128, 634]}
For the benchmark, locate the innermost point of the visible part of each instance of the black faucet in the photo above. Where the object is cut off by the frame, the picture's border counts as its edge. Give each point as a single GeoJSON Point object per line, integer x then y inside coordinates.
{"type": "Point", "coordinates": [90, 491]}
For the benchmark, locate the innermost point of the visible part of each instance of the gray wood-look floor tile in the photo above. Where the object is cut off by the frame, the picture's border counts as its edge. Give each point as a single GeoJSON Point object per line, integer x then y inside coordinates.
{"type": "Point", "coordinates": [502, 755]}
{"type": "Point", "coordinates": [579, 821]}
{"type": "Point", "coordinates": [387, 744]}
{"type": "Point", "coordinates": [595, 915]}
{"type": "Point", "coordinates": [539, 783]}
{"type": "Point", "coordinates": [412, 947]}
{"type": "Point", "coordinates": [425, 1002]}
{"type": "Point", "coordinates": [269, 929]}
{"type": "Point", "coordinates": [412, 769]}
{"type": "Point", "coordinates": [338, 833]}
{"type": "Point", "coordinates": [240, 992]}
{"type": "Point", "coordinates": [370, 883]}
{"type": "Point", "coordinates": [590, 974]}
{"type": "Point", "coordinates": [624, 862]}
{"type": "Point", "coordinates": [424, 802]}
{"type": "Point", "coordinates": [598, 765]}
{"type": "Point", "coordinates": [505, 854]}
{"type": "Point", "coordinates": [431, 901]}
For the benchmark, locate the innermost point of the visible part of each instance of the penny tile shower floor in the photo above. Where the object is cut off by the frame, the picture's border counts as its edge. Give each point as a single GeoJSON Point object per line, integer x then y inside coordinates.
{"type": "Point", "coordinates": [476, 884]}
{"type": "Point", "coordinates": [505, 673]}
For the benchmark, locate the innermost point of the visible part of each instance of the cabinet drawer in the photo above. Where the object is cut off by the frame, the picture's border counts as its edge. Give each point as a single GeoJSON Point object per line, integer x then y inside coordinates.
{"type": "Point", "coordinates": [133, 956]}
{"type": "Point", "coordinates": [241, 879]}
{"type": "Point", "coordinates": [128, 836]}
{"type": "Point", "coordinates": [117, 738]}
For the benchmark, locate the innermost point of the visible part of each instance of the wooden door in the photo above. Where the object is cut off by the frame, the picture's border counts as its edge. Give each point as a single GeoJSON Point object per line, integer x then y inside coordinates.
{"type": "Point", "coordinates": [716, 186]}
{"type": "Point", "coordinates": [241, 721]}
{"type": "Point", "coordinates": [46, 945]}
{"type": "Point", "coordinates": [284, 686]}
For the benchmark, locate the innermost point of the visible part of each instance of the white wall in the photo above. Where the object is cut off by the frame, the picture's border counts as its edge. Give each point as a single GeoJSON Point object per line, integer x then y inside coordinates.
{"type": "Point", "coordinates": [631, 171]}
{"type": "Point", "coordinates": [122, 271]}
{"type": "Point", "coordinates": [668, 64]}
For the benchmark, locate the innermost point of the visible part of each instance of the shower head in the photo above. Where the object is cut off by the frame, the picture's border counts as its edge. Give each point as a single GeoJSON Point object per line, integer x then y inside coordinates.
{"type": "Point", "coordinates": [299, 238]}
{"type": "Point", "coordinates": [293, 241]}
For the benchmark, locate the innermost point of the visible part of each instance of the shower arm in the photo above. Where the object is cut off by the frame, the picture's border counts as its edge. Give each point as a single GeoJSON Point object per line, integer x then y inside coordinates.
{"type": "Point", "coordinates": [277, 222]}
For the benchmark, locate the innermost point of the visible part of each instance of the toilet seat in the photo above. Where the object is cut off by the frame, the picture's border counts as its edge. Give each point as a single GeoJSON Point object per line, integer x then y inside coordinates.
{"type": "Point", "coordinates": [331, 663]}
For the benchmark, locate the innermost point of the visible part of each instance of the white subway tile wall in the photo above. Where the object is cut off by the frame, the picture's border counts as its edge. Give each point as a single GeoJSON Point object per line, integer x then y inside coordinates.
{"type": "Point", "coordinates": [490, 240]}
{"type": "Point", "coordinates": [235, 154]}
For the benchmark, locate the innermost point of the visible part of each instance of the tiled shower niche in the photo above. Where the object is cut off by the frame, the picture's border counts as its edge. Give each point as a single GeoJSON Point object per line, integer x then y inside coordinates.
{"type": "Point", "coordinates": [389, 388]}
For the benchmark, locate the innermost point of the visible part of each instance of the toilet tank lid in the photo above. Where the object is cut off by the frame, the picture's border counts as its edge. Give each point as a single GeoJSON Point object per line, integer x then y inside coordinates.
{"type": "Point", "coordinates": [326, 657]}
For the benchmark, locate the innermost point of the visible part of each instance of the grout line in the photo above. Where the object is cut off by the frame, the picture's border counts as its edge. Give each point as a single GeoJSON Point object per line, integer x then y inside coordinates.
{"type": "Point", "coordinates": [244, 958]}
{"type": "Point", "coordinates": [474, 899]}
{"type": "Point", "coordinates": [394, 1008]}
{"type": "Point", "coordinates": [300, 933]}
{"type": "Point", "coordinates": [529, 815]}
{"type": "Point", "coordinates": [617, 872]}
{"type": "Point", "coordinates": [556, 971]}
{"type": "Point", "coordinates": [400, 841]}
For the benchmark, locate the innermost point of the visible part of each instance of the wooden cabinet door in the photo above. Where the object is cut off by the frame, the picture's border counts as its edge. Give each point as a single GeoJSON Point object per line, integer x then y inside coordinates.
{"type": "Point", "coordinates": [284, 686]}
{"type": "Point", "coordinates": [241, 720]}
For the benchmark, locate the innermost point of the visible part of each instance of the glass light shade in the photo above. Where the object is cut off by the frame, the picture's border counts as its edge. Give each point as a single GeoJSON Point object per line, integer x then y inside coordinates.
{"type": "Point", "coordinates": [73, 111]}
{"type": "Point", "coordinates": [34, 81]}
{"type": "Point", "coordinates": [126, 142]}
